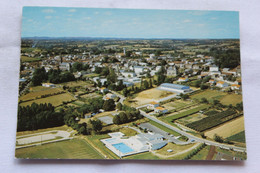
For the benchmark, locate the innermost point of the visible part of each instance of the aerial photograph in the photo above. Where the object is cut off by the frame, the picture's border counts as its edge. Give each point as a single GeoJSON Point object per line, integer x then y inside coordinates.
{"type": "Point", "coordinates": [100, 83]}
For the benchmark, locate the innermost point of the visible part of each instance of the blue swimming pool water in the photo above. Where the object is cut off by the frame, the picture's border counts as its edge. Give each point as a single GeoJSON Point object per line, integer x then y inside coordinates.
{"type": "Point", "coordinates": [123, 148]}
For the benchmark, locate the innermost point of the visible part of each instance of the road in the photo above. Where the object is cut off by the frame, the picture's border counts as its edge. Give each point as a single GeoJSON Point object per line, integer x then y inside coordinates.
{"type": "Point", "coordinates": [190, 136]}
{"type": "Point", "coordinates": [122, 98]}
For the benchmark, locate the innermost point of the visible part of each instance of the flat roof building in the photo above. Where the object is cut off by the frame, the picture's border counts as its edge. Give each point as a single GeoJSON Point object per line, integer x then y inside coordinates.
{"type": "Point", "coordinates": [175, 88]}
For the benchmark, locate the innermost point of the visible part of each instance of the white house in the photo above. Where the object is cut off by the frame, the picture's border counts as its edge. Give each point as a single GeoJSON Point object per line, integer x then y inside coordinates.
{"type": "Point", "coordinates": [48, 84]}
{"type": "Point", "coordinates": [172, 71]}
{"type": "Point", "coordinates": [160, 110]}
{"type": "Point", "coordinates": [235, 87]}
{"type": "Point", "coordinates": [153, 105]}
{"type": "Point", "coordinates": [222, 84]}
{"type": "Point", "coordinates": [103, 89]}
{"type": "Point", "coordinates": [138, 69]}
{"type": "Point", "coordinates": [109, 96]}
{"type": "Point", "coordinates": [183, 79]}
{"type": "Point", "coordinates": [213, 69]}
{"type": "Point", "coordinates": [128, 74]}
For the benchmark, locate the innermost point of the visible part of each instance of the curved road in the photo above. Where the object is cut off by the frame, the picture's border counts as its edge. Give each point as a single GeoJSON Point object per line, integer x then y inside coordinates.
{"type": "Point", "coordinates": [208, 142]}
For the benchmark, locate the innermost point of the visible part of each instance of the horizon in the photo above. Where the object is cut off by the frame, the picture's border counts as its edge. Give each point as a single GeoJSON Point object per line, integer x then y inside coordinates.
{"type": "Point", "coordinates": [129, 23]}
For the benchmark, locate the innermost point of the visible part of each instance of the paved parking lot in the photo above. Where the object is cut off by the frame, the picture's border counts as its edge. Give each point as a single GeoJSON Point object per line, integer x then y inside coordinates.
{"type": "Point", "coordinates": [155, 129]}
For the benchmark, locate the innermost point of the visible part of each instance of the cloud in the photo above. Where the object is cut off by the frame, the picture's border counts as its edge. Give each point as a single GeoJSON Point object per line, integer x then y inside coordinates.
{"type": "Point", "coordinates": [48, 11]}
{"type": "Point", "coordinates": [213, 18]}
{"type": "Point", "coordinates": [72, 10]}
{"type": "Point", "coordinates": [186, 21]}
{"type": "Point", "coordinates": [48, 17]}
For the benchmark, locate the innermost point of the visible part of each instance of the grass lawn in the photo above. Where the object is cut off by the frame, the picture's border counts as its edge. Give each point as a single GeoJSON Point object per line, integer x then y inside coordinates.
{"type": "Point", "coordinates": [169, 119]}
{"type": "Point", "coordinates": [175, 149]}
{"type": "Point", "coordinates": [29, 59]}
{"type": "Point", "coordinates": [95, 140]}
{"type": "Point", "coordinates": [164, 128]}
{"type": "Point", "coordinates": [231, 99]}
{"type": "Point", "coordinates": [178, 104]}
{"type": "Point", "coordinates": [239, 137]}
{"type": "Point", "coordinates": [54, 100]}
{"type": "Point", "coordinates": [34, 94]}
{"type": "Point", "coordinates": [128, 131]}
{"type": "Point", "coordinates": [202, 154]}
{"type": "Point", "coordinates": [143, 156]}
{"type": "Point", "coordinates": [76, 83]}
{"type": "Point", "coordinates": [71, 149]}
{"type": "Point", "coordinates": [210, 95]}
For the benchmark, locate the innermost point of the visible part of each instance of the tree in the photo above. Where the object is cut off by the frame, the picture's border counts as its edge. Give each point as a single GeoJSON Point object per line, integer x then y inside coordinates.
{"type": "Point", "coordinates": [123, 117]}
{"type": "Point", "coordinates": [119, 106]}
{"type": "Point", "coordinates": [150, 83]}
{"type": "Point", "coordinates": [116, 120]}
{"type": "Point", "coordinates": [39, 76]}
{"type": "Point", "coordinates": [204, 100]}
{"type": "Point", "coordinates": [125, 92]}
{"type": "Point", "coordinates": [109, 105]}
{"type": "Point", "coordinates": [96, 125]}
{"type": "Point", "coordinates": [146, 85]}
{"type": "Point", "coordinates": [218, 138]}
{"type": "Point", "coordinates": [203, 87]}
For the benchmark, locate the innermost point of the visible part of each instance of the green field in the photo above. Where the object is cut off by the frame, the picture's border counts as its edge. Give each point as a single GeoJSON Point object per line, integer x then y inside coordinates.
{"type": "Point", "coordinates": [143, 156]}
{"type": "Point", "coordinates": [164, 128]}
{"type": "Point", "coordinates": [231, 99]}
{"type": "Point", "coordinates": [33, 95]}
{"type": "Point", "coordinates": [54, 100]}
{"type": "Point", "coordinates": [239, 137]}
{"type": "Point", "coordinates": [169, 119]}
{"type": "Point", "coordinates": [95, 140]}
{"type": "Point", "coordinates": [210, 95]}
{"type": "Point", "coordinates": [29, 59]}
{"type": "Point", "coordinates": [72, 149]}
{"type": "Point", "coordinates": [202, 154]}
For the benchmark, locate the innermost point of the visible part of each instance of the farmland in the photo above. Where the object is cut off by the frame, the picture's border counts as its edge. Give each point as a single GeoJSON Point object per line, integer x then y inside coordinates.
{"type": "Point", "coordinates": [38, 94]}
{"type": "Point", "coordinates": [228, 129]}
{"type": "Point", "coordinates": [170, 118]}
{"type": "Point", "coordinates": [231, 99]}
{"type": "Point", "coordinates": [239, 137]}
{"type": "Point", "coordinates": [72, 149]}
{"type": "Point", "coordinates": [213, 120]}
{"type": "Point", "coordinates": [191, 118]}
{"type": "Point", "coordinates": [210, 95]}
{"type": "Point", "coordinates": [54, 100]}
{"type": "Point", "coordinates": [29, 59]}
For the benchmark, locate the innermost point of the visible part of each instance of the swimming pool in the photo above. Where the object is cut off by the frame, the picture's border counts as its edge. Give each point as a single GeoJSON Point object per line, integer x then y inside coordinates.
{"type": "Point", "coordinates": [123, 148]}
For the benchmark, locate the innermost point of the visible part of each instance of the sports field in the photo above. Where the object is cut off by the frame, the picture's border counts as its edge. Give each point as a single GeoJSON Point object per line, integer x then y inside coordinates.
{"type": "Point", "coordinates": [228, 129]}
{"type": "Point", "coordinates": [72, 149]}
{"type": "Point", "coordinates": [54, 100]}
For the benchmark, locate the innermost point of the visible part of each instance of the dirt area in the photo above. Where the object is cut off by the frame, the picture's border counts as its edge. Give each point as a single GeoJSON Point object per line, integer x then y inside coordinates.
{"type": "Point", "coordinates": [148, 96]}
{"type": "Point", "coordinates": [211, 153]}
{"type": "Point", "coordinates": [228, 129]}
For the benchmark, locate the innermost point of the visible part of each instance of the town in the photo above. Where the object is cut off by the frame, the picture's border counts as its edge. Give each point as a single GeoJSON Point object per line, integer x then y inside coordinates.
{"type": "Point", "coordinates": [98, 98]}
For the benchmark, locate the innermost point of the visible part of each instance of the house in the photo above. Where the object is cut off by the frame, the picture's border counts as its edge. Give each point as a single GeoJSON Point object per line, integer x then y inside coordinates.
{"type": "Point", "coordinates": [109, 96]}
{"type": "Point", "coordinates": [128, 74]}
{"type": "Point", "coordinates": [213, 68]}
{"type": "Point", "coordinates": [48, 84]}
{"type": "Point", "coordinates": [174, 88]}
{"type": "Point", "coordinates": [172, 71]}
{"type": "Point", "coordinates": [183, 79]}
{"type": "Point", "coordinates": [128, 84]}
{"type": "Point", "coordinates": [212, 81]}
{"type": "Point", "coordinates": [153, 105]}
{"type": "Point", "coordinates": [103, 90]}
{"type": "Point", "coordinates": [235, 87]}
{"type": "Point", "coordinates": [160, 110]}
{"type": "Point", "coordinates": [65, 66]}
{"type": "Point", "coordinates": [221, 84]}
{"type": "Point", "coordinates": [138, 69]}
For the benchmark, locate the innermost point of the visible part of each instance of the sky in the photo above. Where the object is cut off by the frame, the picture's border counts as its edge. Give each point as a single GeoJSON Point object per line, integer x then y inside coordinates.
{"type": "Point", "coordinates": [129, 23]}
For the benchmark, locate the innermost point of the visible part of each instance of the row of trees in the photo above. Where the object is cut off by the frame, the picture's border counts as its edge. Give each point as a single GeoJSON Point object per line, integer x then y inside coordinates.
{"type": "Point", "coordinates": [53, 76]}
{"type": "Point", "coordinates": [126, 117]}
{"type": "Point", "coordinates": [38, 116]}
